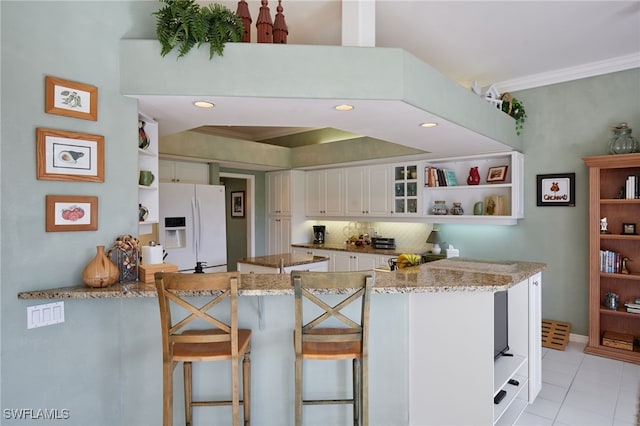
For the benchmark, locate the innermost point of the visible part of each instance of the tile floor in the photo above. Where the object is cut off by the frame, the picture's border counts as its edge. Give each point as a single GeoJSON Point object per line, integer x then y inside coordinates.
{"type": "Point", "coordinates": [580, 389]}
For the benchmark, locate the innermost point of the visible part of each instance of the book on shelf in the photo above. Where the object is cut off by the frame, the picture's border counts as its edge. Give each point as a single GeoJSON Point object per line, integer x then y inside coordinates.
{"type": "Point", "coordinates": [440, 177]}
{"type": "Point", "coordinates": [632, 187]}
{"type": "Point", "coordinates": [610, 262]}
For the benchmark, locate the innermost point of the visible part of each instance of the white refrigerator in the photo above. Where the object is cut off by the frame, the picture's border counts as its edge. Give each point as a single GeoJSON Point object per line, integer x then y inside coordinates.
{"type": "Point", "coordinates": [192, 226]}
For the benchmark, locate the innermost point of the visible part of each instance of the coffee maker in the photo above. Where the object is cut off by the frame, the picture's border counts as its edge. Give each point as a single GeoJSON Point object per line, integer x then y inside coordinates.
{"type": "Point", "coordinates": [318, 234]}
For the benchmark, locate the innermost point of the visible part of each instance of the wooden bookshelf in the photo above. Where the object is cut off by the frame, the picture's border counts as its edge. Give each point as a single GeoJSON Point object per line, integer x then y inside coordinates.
{"type": "Point", "coordinates": [607, 175]}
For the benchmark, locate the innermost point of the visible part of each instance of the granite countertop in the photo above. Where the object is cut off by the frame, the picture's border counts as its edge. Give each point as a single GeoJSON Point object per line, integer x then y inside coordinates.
{"type": "Point", "coordinates": [287, 259]}
{"type": "Point", "coordinates": [447, 275]}
{"type": "Point", "coordinates": [367, 249]}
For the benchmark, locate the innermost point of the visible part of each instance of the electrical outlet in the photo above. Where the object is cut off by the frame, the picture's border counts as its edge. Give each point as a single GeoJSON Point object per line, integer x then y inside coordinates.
{"type": "Point", "coordinates": [47, 314]}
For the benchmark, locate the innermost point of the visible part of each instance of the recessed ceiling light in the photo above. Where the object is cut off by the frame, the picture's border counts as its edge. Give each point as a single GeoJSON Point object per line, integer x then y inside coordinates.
{"type": "Point", "coordinates": [344, 107]}
{"type": "Point", "coordinates": [427, 125]}
{"type": "Point", "coordinates": [203, 104]}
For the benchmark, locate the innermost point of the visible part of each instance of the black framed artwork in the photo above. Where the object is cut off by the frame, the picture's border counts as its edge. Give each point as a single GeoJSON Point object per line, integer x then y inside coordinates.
{"type": "Point", "coordinates": [556, 190]}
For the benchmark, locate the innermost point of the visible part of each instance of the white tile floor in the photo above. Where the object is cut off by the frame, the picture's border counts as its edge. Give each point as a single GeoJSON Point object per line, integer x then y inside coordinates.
{"type": "Point", "coordinates": [580, 389]}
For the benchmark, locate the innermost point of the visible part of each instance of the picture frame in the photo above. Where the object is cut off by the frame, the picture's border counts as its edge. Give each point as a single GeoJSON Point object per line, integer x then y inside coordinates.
{"type": "Point", "coordinates": [71, 213]}
{"type": "Point", "coordinates": [237, 204]}
{"type": "Point", "coordinates": [69, 156]}
{"type": "Point", "coordinates": [70, 99]}
{"type": "Point", "coordinates": [497, 174]}
{"type": "Point", "coordinates": [629, 229]}
{"type": "Point", "coordinates": [556, 190]}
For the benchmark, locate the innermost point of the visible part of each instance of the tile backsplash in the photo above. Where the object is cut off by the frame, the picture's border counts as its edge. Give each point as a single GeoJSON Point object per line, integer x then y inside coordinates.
{"type": "Point", "coordinates": [412, 235]}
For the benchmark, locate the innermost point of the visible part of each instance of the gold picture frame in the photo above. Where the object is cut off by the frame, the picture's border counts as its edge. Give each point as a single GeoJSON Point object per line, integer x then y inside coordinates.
{"type": "Point", "coordinates": [71, 99]}
{"type": "Point", "coordinates": [69, 156]}
{"type": "Point", "coordinates": [71, 213]}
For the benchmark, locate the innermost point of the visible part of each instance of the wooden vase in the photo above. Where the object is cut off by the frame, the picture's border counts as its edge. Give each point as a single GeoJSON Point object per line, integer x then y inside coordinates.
{"type": "Point", "coordinates": [100, 271]}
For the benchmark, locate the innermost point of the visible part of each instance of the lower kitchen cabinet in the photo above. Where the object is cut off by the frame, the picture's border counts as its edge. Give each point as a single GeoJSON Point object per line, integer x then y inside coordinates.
{"type": "Point", "coordinates": [461, 368]}
{"type": "Point", "coordinates": [344, 261]}
{"type": "Point", "coordinates": [279, 235]}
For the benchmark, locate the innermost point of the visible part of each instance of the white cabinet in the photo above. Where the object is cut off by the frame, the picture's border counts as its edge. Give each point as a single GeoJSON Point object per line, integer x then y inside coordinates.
{"type": "Point", "coordinates": [285, 220]}
{"type": "Point", "coordinates": [367, 191]}
{"type": "Point", "coordinates": [344, 261]}
{"type": "Point", "coordinates": [279, 193]}
{"type": "Point", "coordinates": [504, 189]}
{"type": "Point", "coordinates": [324, 193]}
{"type": "Point", "coordinates": [464, 368]}
{"type": "Point", "coordinates": [148, 197]}
{"type": "Point", "coordinates": [278, 235]}
{"type": "Point", "coordinates": [406, 182]}
{"type": "Point", "coordinates": [184, 172]}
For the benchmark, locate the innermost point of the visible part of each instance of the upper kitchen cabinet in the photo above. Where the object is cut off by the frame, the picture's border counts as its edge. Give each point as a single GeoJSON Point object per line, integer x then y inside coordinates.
{"type": "Point", "coordinates": [366, 191]}
{"type": "Point", "coordinates": [407, 182]}
{"type": "Point", "coordinates": [279, 193]}
{"type": "Point", "coordinates": [495, 197]}
{"type": "Point", "coordinates": [148, 199]}
{"type": "Point", "coordinates": [184, 172]}
{"type": "Point", "coordinates": [324, 193]}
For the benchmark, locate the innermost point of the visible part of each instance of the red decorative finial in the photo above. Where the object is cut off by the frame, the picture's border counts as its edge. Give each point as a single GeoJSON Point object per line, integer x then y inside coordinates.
{"type": "Point", "coordinates": [244, 14]}
{"type": "Point", "coordinates": [264, 24]}
{"type": "Point", "coordinates": [280, 30]}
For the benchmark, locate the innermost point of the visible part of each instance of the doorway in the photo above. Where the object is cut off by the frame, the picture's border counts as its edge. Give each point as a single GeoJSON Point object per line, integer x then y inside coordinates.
{"type": "Point", "coordinates": [240, 230]}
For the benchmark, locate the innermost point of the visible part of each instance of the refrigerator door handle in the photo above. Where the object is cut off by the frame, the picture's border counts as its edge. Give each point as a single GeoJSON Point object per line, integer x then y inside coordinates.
{"type": "Point", "coordinates": [200, 223]}
{"type": "Point", "coordinates": [196, 225]}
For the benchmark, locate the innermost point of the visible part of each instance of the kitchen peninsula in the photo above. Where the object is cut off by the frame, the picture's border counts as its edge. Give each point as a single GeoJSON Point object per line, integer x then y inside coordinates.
{"type": "Point", "coordinates": [283, 263]}
{"type": "Point", "coordinates": [431, 341]}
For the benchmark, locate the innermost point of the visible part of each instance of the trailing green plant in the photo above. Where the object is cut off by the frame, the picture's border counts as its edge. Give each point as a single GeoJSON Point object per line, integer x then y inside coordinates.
{"type": "Point", "coordinates": [515, 108]}
{"type": "Point", "coordinates": [184, 24]}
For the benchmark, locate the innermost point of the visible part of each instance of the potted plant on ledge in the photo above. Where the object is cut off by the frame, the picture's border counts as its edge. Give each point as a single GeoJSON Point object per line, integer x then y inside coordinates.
{"type": "Point", "coordinates": [184, 24]}
{"type": "Point", "coordinates": [515, 109]}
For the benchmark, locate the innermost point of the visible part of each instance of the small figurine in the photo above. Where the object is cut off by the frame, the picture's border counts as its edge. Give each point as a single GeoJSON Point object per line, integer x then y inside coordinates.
{"type": "Point", "coordinates": [603, 226]}
{"type": "Point", "coordinates": [624, 269]}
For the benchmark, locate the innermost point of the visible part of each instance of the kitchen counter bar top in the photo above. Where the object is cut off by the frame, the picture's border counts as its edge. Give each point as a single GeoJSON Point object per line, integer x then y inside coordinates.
{"type": "Point", "coordinates": [286, 259]}
{"type": "Point", "coordinates": [447, 275]}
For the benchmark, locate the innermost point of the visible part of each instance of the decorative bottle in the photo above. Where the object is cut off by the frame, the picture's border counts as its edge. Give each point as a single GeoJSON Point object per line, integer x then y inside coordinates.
{"type": "Point", "coordinates": [439, 208]}
{"type": "Point", "coordinates": [622, 141]}
{"type": "Point", "coordinates": [100, 271]}
{"type": "Point", "coordinates": [474, 176]}
{"type": "Point", "coordinates": [457, 209]}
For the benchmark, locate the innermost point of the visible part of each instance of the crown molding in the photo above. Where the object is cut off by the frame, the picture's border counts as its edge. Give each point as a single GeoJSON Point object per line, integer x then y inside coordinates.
{"type": "Point", "coordinates": [592, 69]}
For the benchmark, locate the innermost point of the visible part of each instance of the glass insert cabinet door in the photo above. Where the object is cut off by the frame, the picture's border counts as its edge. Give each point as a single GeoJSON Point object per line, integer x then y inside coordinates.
{"type": "Point", "coordinates": [405, 189]}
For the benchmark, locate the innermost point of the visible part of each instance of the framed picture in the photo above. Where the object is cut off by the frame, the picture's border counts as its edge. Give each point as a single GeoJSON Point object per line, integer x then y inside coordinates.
{"type": "Point", "coordinates": [70, 156]}
{"type": "Point", "coordinates": [497, 174]}
{"type": "Point", "coordinates": [237, 204]}
{"type": "Point", "coordinates": [71, 213]}
{"type": "Point", "coordinates": [556, 190]}
{"type": "Point", "coordinates": [71, 99]}
{"type": "Point", "coordinates": [629, 229]}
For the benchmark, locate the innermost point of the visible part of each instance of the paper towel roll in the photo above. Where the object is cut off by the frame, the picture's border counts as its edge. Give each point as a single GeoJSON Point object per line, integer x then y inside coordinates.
{"type": "Point", "coordinates": [152, 255]}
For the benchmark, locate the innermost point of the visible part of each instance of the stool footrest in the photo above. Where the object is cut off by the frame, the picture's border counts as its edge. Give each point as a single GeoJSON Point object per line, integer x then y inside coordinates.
{"type": "Point", "coordinates": [213, 403]}
{"type": "Point", "coordinates": [326, 401]}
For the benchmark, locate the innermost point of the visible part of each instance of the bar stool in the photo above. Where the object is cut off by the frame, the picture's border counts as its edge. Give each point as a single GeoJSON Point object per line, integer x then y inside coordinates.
{"type": "Point", "coordinates": [348, 341]}
{"type": "Point", "coordinates": [221, 341]}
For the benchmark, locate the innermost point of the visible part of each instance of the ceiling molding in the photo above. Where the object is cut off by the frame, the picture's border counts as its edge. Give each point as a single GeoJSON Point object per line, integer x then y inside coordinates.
{"type": "Point", "coordinates": [592, 69]}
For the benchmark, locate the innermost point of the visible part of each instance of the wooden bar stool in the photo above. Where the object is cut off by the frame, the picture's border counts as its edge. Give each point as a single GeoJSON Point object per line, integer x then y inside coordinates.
{"type": "Point", "coordinates": [219, 342]}
{"type": "Point", "coordinates": [348, 341]}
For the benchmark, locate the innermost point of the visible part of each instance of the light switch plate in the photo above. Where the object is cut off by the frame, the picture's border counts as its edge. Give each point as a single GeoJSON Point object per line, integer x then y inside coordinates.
{"type": "Point", "coordinates": [47, 314]}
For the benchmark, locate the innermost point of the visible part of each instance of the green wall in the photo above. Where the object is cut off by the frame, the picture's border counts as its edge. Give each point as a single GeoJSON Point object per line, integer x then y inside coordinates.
{"type": "Point", "coordinates": [565, 122]}
{"type": "Point", "coordinates": [97, 364]}
{"type": "Point", "coordinates": [101, 364]}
